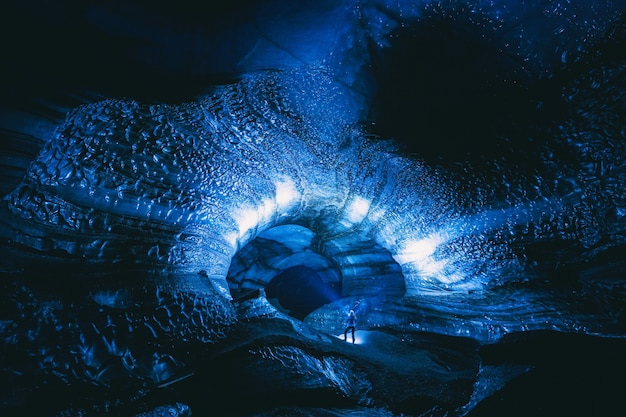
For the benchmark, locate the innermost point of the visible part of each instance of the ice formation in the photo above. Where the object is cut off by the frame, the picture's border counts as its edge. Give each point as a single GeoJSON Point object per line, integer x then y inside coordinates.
{"type": "Point", "coordinates": [152, 246]}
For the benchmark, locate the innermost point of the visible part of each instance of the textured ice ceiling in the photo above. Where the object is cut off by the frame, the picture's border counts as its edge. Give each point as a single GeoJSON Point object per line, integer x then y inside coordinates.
{"type": "Point", "coordinates": [450, 167]}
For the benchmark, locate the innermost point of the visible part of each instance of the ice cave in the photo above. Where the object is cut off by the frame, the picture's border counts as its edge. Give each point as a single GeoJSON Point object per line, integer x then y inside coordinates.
{"type": "Point", "coordinates": [194, 196]}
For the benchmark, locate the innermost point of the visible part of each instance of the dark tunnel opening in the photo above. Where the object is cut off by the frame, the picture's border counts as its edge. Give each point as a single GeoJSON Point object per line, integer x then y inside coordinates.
{"type": "Point", "coordinates": [449, 89]}
{"type": "Point", "coordinates": [300, 290]}
{"type": "Point", "coordinates": [286, 262]}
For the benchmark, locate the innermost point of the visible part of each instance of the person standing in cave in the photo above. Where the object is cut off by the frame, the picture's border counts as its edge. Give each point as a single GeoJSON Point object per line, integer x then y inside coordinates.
{"type": "Point", "coordinates": [350, 326]}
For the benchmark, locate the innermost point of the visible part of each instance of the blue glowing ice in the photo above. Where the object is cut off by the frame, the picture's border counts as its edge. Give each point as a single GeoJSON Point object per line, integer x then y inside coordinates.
{"type": "Point", "coordinates": [159, 245]}
{"type": "Point", "coordinates": [190, 186]}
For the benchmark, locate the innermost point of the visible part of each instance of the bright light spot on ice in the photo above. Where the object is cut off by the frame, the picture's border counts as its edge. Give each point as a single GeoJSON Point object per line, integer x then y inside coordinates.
{"type": "Point", "coordinates": [248, 218]}
{"type": "Point", "coordinates": [286, 194]}
{"type": "Point", "coordinates": [418, 250]}
{"type": "Point", "coordinates": [419, 255]}
{"type": "Point", "coordinates": [254, 218]}
{"type": "Point", "coordinates": [357, 209]}
{"type": "Point", "coordinates": [359, 337]}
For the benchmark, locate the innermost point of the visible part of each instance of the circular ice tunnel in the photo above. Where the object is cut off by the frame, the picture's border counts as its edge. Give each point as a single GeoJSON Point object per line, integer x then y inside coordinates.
{"type": "Point", "coordinates": [301, 270]}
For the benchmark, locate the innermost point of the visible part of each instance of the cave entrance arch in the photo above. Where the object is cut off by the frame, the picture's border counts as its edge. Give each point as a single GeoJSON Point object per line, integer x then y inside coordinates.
{"type": "Point", "coordinates": [300, 269]}
{"type": "Point", "coordinates": [287, 263]}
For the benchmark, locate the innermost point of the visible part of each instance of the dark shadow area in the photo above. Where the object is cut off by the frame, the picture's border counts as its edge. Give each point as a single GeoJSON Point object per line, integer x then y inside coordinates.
{"type": "Point", "coordinates": [448, 89]}
{"type": "Point", "coordinates": [571, 374]}
{"type": "Point", "coordinates": [66, 46]}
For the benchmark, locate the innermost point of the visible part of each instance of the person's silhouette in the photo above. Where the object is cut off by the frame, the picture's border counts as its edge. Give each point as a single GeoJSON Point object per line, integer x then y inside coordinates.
{"type": "Point", "coordinates": [350, 326]}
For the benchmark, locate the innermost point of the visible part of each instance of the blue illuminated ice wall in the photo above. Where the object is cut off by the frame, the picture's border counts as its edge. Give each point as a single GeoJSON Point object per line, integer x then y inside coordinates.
{"type": "Point", "coordinates": [394, 196]}
{"type": "Point", "coordinates": [194, 197]}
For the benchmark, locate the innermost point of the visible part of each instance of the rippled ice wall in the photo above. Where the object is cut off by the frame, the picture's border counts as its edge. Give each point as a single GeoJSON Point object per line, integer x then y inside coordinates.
{"type": "Point", "coordinates": [191, 187]}
{"type": "Point", "coordinates": [182, 188]}
{"type": "Point", "coordinates": [186, 186]}
{"type": "Point", "coordinates": [138, 222]}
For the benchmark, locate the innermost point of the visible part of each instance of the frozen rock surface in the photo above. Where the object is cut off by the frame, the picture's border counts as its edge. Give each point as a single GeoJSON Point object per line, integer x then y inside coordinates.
{"type": "Point", "coordinates": [452, 171]}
